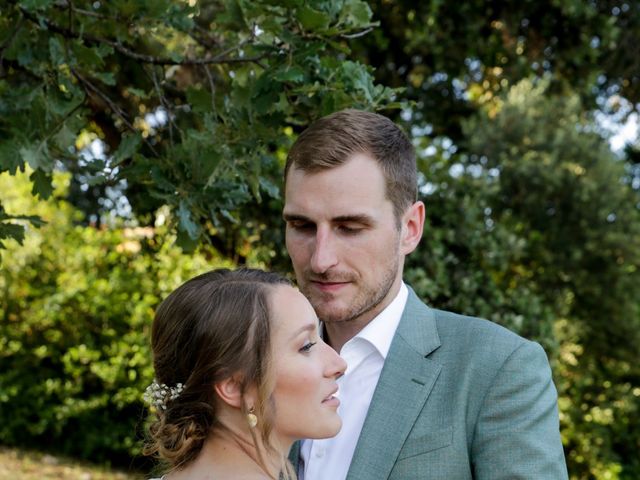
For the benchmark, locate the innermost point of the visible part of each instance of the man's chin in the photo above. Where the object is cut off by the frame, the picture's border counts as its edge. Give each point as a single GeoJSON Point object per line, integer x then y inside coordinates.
{"type": "Point", "coordinates": [331, 314]}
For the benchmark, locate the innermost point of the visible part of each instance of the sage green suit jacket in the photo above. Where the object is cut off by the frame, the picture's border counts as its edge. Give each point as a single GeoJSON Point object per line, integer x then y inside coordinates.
{"type": "Point", "coordinates": [459, 398]}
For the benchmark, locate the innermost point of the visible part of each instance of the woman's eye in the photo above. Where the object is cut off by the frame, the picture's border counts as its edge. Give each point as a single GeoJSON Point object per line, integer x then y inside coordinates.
{"type": "Point", "coordinates": [307, 346]}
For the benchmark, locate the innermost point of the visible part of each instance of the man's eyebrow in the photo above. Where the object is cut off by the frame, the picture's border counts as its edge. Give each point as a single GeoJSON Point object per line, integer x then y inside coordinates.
{"type": "Point", "coordinates": [292, 217]}
{"type": "Point", "coordinates": [357, 218]}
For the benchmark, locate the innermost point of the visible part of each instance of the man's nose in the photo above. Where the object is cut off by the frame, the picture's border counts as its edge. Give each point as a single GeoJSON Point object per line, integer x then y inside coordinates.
{"type": "Point", "coordinates": [324, 253]}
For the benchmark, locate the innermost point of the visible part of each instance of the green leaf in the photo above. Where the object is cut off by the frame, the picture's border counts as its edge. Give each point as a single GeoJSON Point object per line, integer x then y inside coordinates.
{"type": "Point", "coordinates": [313, 20]}
{"type": "Point", "coordinates": [138, 92]}
{"type": "Point", "coordinates": [185, 242]}
{"type": "Point", "coordinates": [186, 221]}
{"type": "Point", "coordinates": [292, 74]}
{"type": "Point", "coordinates": [34, 220]}
{"type": "Point", "coordinates": [356, 12]}
{"type": "Point", "coordinates": [233, 15]}
{"type": "Point", "coordinates": [207, 162]}
{"type": "Point", "coordinates": [42, 185]}
{"type": "Point", "coordinates": [176, 56]}
{"type": "Point", "coordinates": [65, 137]}
{"type": "Point", "coordinates": [36, 4]}
{"type": "Point", "coordinates": [269, 187]}
{"type": "Point", "coordinates": [59, 103]}
{"type": "Point", "coordinates": [96, 180]}
{"type": "Point", "coordinates": [180, 16]}
{"type": "Point", "coordinates": [157, 8]}
{"type": "Point", "coordinates": [226, 214]}
{"type": "Point", "coordinates": [10, 158]}
{"type": "Point", "coordinates": [199, 99]}
{"type": "Point", "coordinates": [285, 3]}
{"type": "Point", "coordinates": [11, 230]}
{"type": "Point", "coordinates": [159, 178]}
{"type": "Point", "coordinates": [56, 51]}
{"type": "Point", "coordinates": [108, 78]}
{"type": "Point", "coordinates": [88, 58]}
{"type": "Point", "coordinates": [360, 78]}
{"type": "Point", "coordinates": [35, 157]}
{"type": "Point", "coordinates": [127, 148]}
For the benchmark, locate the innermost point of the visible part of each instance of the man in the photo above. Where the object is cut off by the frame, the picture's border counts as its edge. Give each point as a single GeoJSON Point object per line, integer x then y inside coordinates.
{"type": "Point", "coordinates": [427, 394]}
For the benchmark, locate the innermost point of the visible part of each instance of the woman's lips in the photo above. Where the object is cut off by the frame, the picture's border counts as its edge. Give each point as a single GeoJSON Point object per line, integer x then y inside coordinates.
{"type": "Point", "coordinates": [332, 400]}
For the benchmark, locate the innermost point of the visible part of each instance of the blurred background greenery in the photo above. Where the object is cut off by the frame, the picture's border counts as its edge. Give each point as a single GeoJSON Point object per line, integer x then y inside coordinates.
{"type": "Point", "coordinates": [142, 142]}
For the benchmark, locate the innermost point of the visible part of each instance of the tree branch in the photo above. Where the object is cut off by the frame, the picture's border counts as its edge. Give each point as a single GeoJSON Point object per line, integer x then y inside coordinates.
{"type": "Point", "coordinates": [212, 87]}
{"type": "Point", "coordinates": [218, 59]}
{"type": "Point", "coordinates": [357, 34]}
{"type": "Point", "coordinates": [91, 88]}
{"type": "Point", "coordinates": [88, 13]}
{"type": "Point", "coordinates": [61, 121]}
{"type": "Point", "coordinates": [204, 37]}
{"type": "Point", "coordinates": [165, 103]}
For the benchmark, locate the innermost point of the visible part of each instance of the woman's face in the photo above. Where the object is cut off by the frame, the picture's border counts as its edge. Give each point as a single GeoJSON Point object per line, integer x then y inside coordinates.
{"type": "Point", "coordinates": [305, 371]}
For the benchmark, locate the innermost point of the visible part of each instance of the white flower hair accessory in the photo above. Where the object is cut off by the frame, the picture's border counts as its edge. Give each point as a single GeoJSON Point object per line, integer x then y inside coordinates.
{"type": "Point", "coordinates": [158, 394]}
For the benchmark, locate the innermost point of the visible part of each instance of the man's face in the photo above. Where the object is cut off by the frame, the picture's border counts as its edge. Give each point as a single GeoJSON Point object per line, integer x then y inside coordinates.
{"type": "Point", "coordinates": [343, 240]}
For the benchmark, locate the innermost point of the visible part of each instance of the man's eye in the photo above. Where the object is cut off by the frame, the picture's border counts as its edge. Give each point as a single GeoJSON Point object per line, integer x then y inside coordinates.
{"type": "Point", "coordinates": [307, 346]}
{"type": "Point", "coordinates": [350, 229]}
{"type": "Point", "coordinates": [301, 225]}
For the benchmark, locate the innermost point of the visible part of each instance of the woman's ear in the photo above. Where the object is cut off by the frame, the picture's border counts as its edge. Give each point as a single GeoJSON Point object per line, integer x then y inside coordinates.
{"type": "Point", "coordinates": [230, 391]}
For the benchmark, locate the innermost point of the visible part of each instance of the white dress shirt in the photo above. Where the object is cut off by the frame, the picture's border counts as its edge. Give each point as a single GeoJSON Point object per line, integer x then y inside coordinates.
{"type": "Point", "coordinates": [329, 459]}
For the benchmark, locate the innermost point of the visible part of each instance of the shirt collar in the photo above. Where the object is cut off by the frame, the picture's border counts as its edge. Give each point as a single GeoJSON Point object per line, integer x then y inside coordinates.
{"type": "Point", "coordinates": [380, 331]}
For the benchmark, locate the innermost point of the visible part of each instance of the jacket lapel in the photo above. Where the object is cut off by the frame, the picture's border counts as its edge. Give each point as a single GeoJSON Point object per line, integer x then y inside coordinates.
{"type": "Point", "coordinates": [294, 456]}
{"type": "Point", "coordinates": [404, 385]}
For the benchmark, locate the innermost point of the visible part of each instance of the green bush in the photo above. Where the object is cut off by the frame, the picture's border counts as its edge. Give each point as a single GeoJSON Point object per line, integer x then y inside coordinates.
{"type": "Point", "coordinates": [536, 228]}
{"type": "Point", "coordinates": [599, 400]}
{"type": "Point", "coordinates": [76, 308]}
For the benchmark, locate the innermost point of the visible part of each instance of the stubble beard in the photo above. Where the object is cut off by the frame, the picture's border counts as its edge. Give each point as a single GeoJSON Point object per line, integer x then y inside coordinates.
{"type": "Point", "coordinates": [368, 298]}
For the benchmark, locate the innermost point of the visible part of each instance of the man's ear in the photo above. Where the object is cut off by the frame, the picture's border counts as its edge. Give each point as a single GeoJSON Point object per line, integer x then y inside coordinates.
{"type": "Point", "coordinates": [230, 391]}
{"type": "Point", "coordinates": [412, 226]}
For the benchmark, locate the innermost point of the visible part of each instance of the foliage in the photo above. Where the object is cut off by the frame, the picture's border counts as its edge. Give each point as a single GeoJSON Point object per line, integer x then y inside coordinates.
{"type": "Point", "coordinates": [75, 315]}
{"type": "Point", "coordinates": [467, 261]}
{"type": "Point", "coordinates": [534, 225]}
{"type": "Point", "coordinates": [562, 190]}
{"type": "Point", "coordinates": [192, 99]}
{"type": "Point", "coordinates": [451, 56]}
{"type": "Point", "coordinates": [599, 400]}
{"type": "Point", "coordinates": [532, 221]}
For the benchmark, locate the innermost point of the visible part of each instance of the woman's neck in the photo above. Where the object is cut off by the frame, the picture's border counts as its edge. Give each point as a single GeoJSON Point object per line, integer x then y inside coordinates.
{"type": "Point", "coordinates": [230, 456]}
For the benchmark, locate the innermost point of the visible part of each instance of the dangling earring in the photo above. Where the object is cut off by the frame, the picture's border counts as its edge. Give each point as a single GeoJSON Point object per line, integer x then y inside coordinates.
{"type": "Point", "coordinates": [251, 418]}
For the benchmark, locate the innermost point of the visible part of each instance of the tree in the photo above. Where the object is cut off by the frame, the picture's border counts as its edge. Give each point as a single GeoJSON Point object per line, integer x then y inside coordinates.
{"type": "Point", "coordinates": [193, 101]}
{"type": "Point", "coordinates": [534, 224]}
{"type": "Point", "coordinates": [76, 305]}
{"type": "Point", "coordinates": [451, 56]}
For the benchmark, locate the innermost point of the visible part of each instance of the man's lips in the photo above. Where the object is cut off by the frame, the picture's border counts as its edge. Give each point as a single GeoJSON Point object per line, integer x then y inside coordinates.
{"type": "Point", "coordinates": [328, 286]}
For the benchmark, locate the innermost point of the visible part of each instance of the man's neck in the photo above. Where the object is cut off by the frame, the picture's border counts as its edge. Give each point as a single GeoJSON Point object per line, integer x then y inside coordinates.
{"type": "Point", "coordinates": [336, 334]}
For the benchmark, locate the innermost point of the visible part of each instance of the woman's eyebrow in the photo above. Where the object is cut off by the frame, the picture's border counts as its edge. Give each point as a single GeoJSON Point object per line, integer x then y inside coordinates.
{"type": "Point", "coordinates": [310, 327]}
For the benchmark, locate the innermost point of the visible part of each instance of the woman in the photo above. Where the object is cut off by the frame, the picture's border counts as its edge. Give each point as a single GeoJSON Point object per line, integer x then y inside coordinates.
{"type": "Point", "coordinates": [241, 374]}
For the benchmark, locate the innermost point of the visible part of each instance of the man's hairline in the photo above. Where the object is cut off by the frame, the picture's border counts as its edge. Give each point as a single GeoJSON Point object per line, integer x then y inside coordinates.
{"type": "Point", "coordinates": [293, 165]}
